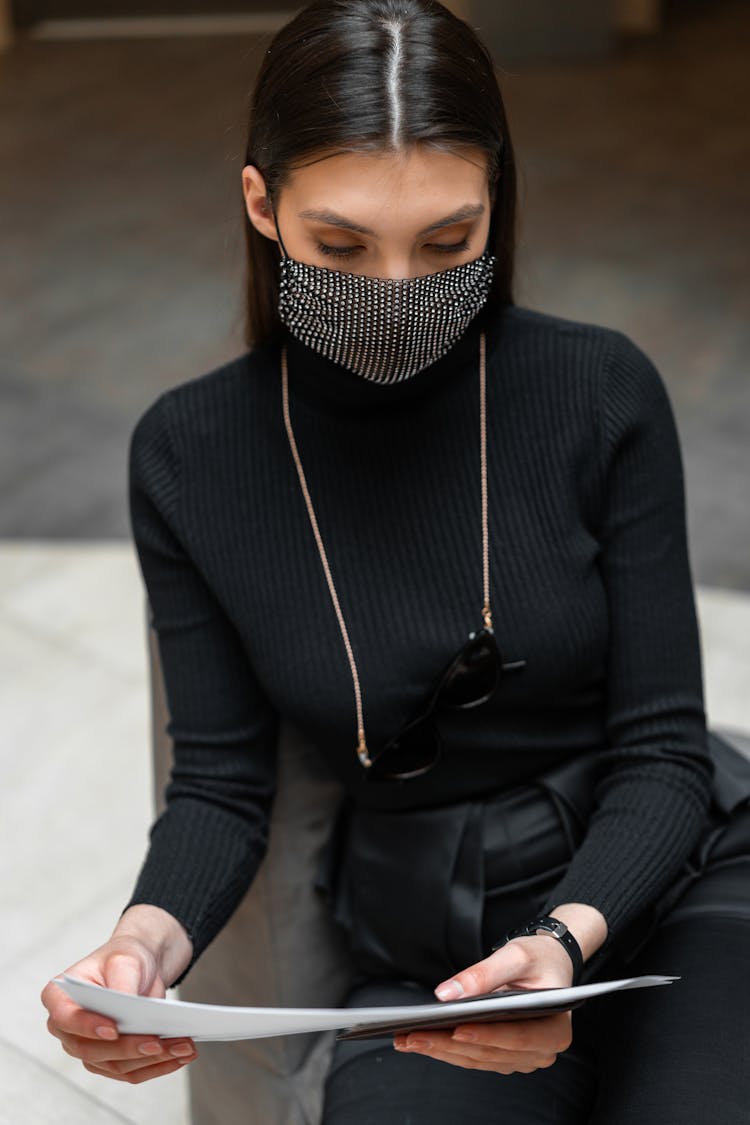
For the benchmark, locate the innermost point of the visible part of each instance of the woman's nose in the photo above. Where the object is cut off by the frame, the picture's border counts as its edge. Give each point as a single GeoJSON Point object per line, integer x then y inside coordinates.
{"type": "Point", "coordinates": [397, 269]}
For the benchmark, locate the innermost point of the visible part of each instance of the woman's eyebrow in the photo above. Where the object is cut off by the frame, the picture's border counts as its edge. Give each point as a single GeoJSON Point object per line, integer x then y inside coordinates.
{"type": "Point", "coordinates": [467, 211]}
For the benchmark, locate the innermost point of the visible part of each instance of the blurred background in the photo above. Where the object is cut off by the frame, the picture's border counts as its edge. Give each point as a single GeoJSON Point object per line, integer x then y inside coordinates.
{"type": "Point", "coordinates": [121, 139]}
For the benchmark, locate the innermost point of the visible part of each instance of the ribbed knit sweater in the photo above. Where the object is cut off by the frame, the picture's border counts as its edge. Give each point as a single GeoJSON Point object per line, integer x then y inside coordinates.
{"type": "Point", "coordinates": [590, 584]}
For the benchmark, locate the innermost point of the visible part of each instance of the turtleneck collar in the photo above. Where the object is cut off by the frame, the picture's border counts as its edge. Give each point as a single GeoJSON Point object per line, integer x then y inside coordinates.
{"type": "Point", "coordinates": [334, 389]}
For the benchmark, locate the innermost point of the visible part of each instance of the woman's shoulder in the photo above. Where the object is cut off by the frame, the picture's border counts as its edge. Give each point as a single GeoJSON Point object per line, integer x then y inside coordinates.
{"type": "Point", "coordinates": [205, 404]}
{"type": "Point", "coordinates": [240, 376]}
{"type": "Point", "coordinates": [606, 358]}
{"type": "Point", "coordinates": [527, 324]}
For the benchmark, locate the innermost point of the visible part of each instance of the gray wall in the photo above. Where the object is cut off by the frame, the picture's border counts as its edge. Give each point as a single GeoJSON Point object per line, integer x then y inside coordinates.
{"type": "Point", "coordinates": [26, 12]}
{"type": "Point", "coordinates": [520, 30]}
{"type": "Point", "coordinates": [515, 30]}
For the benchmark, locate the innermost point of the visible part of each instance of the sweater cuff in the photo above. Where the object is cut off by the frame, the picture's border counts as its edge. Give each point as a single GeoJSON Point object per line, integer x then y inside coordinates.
{"type": "Point", "coordinates": [198, 868]}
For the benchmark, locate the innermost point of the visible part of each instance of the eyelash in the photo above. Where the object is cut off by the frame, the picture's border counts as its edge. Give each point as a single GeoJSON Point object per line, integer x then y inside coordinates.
{"type": "Point", "coordinates": [456, 248]}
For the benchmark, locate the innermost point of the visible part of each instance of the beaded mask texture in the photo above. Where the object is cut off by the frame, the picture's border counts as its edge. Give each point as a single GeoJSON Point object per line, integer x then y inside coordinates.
{"type": "Point", "coordinates": [383, 329]}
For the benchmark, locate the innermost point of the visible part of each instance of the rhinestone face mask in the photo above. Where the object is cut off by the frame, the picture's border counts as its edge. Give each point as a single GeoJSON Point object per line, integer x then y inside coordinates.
{"type": "Point", "coordinates": [383, 329]}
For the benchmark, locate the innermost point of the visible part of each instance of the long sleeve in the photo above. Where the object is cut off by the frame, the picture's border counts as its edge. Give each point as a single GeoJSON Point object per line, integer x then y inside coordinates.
{"type": "Point", "coordinates": [653, 792]}
{"type": "Point", "coordinates": [208, 843]}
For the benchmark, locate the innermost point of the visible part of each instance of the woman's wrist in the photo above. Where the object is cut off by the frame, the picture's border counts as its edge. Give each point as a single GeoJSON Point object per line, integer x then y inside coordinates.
{"type": "Point", "coordinates": [162, 933]}
{"type": "Point", "coordinates": [587, 925]}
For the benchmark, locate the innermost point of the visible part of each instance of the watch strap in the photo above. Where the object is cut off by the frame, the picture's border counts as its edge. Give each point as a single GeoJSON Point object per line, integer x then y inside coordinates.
{"type": "Point", "coordinates": [555, 928]}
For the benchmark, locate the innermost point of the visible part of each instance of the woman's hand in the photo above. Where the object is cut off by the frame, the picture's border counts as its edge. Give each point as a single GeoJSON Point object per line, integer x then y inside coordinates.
{"type": "Point", "coordinates": [514, 1046]}
{"type": "Point", "coordinates": [539, 961]}
{"type": "Point", "coordinates": [133, 960]}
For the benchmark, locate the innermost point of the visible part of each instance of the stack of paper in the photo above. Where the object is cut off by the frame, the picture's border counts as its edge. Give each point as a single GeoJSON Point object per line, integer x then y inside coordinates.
{"type": "Point", "coordinates": [170, 1018]}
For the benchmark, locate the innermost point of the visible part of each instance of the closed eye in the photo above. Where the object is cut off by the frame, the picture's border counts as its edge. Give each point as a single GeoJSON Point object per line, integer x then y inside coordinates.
{"type": "Point", "coordinates": [350, 251]}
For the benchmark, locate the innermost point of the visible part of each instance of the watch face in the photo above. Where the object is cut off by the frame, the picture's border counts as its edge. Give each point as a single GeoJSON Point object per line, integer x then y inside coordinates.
{"type": "Point", "coordinates": [556, 928]}
{"type": "Point", "coordinates": [538, 926]}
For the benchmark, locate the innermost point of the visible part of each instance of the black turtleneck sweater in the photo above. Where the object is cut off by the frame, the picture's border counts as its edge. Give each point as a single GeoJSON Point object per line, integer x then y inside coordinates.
{"type": "Point", "coordinates": [590, 584]}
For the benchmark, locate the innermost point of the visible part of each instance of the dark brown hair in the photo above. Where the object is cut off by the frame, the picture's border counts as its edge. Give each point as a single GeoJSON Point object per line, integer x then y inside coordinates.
{"type": "Point", "coordinates": [331, 80]}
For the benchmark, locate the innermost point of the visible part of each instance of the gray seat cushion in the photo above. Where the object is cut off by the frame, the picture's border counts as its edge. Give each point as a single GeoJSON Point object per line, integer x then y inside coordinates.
{"type": "Point", "coordinates": [280, 947]}
{"type": "Point", "coordinates": [739, 739]}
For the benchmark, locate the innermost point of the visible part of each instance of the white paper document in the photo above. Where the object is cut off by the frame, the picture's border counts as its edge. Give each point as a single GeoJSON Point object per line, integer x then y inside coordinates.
{"type": "Point", "coordinates": [169, 1018]}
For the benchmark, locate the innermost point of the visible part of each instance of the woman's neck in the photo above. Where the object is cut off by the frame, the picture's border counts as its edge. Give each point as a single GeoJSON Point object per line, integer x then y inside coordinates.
{"type": "Point", "coordinates": [334, 389]}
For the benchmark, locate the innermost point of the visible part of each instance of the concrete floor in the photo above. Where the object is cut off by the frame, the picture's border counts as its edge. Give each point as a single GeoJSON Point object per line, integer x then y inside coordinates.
{"type": "Point", "coordinates": [75, 811]}
{"type": "Point", "coordinates": [121, 276]}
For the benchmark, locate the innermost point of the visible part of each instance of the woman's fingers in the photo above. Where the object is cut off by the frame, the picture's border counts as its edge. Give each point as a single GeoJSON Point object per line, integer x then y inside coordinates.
{"type": "Point", "coordinates": [134, 1075]}
{"type": "Point", "coordinates": [67, 1016]}
{"type": "Point", "coordinates": [518, 1046]}
{"type": "Point", "coordinates": [141, 1050]}
{"type": "Point", "coordinates": [544, 1035]}
{"type": "Point", "coordinates": [515, 1045]}
{"type": "Point", "coordinates": [115, 968]}
{"type": "Point", "coordinates": [525, 962]}
{"type": "Point", "coordinates": [127, 965]}
{"type": "Point", "coordinates": [491, 973]}
{"type": "Point", "coordinates": [444, 1054]}
{"type": "Point", "coordinates": [130, 1066]}
{"type": "Point", "coordinates": [125, 973]}
{"type": "Point", "coordinates": [486, 1058]}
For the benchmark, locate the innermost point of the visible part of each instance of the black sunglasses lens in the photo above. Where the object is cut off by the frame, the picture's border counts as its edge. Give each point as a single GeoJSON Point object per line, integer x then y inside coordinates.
{"type": "Point", "coordinates": [413, 753]}
{"type": "Point", "coordinates": [473, 678]}
{"type": "Point", "coordinates": [475, 675]}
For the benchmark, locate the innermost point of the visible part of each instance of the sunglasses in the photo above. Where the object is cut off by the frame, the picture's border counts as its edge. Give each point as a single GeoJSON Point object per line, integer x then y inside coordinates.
{"type": "Point", "coordinates": [471, 678]}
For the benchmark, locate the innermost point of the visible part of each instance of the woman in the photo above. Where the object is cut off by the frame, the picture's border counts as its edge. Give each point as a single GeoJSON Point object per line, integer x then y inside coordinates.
{"type": "Point", "coordinates": [446, 536]}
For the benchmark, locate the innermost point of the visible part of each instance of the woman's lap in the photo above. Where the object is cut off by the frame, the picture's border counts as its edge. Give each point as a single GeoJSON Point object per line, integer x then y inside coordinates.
{"type": "Point", "coordinates": [370, 1083]}
{"type": "Point", "coordinates": [677, 1053]}
{"type": "Point", "coordinates": [652, 1056]}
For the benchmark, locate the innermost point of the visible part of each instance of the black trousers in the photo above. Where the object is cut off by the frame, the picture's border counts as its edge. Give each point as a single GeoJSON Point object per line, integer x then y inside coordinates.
{"type": "Point", "coordinates": [677, 1054]}
{"type": "Point", "coordinates": [674, 1054]}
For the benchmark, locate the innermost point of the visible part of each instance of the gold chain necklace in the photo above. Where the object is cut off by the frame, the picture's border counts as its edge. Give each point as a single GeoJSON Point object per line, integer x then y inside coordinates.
{"type": "Point", "coordinates": [362, 752]}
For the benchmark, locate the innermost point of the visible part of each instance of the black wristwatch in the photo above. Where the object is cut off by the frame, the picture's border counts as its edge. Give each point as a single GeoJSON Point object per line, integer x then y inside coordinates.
{"type": "Point", "coordinates": [549, 925]}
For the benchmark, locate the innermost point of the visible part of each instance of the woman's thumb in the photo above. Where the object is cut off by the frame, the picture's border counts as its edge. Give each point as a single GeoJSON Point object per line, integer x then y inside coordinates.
{"type": "Point", "coordinates": [125, 972]}
{"type": "Point", "coordinates": [505, 964]}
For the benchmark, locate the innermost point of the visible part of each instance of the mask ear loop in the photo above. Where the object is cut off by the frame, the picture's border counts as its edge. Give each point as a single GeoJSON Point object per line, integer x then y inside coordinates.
{"type": "Point", "coordinates": [281, 241]}
{"type": "Point", "coordinates": [488, 249]}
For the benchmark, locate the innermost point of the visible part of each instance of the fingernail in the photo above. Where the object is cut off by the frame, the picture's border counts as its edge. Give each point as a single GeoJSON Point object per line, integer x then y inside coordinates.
{"type": "Point", "coordinates": [106, 1033]}
{"type": "Point", "coordinates": [149, 1048]}
{"type": "Point", "coordinates": [181, 1049]}
{"type": "Point", "coordinates": [419, 1043]}
{"type": "Point", "coordinates": [450, 991]}
{"type": "Point", "coordinates": [465, 1036]}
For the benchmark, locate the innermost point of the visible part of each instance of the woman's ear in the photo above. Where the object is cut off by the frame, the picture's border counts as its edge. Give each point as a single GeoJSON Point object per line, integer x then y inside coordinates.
{"type": "Point", "coordinates": [257, 205]}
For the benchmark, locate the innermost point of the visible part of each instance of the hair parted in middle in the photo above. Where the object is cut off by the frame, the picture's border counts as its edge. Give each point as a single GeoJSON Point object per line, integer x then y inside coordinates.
{"type": "Point", "coordinates": [370, 76]}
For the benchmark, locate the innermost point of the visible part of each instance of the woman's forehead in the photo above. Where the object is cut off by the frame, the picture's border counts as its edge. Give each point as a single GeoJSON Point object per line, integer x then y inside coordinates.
{"type": "Point", "coordinates": [417, 181]}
